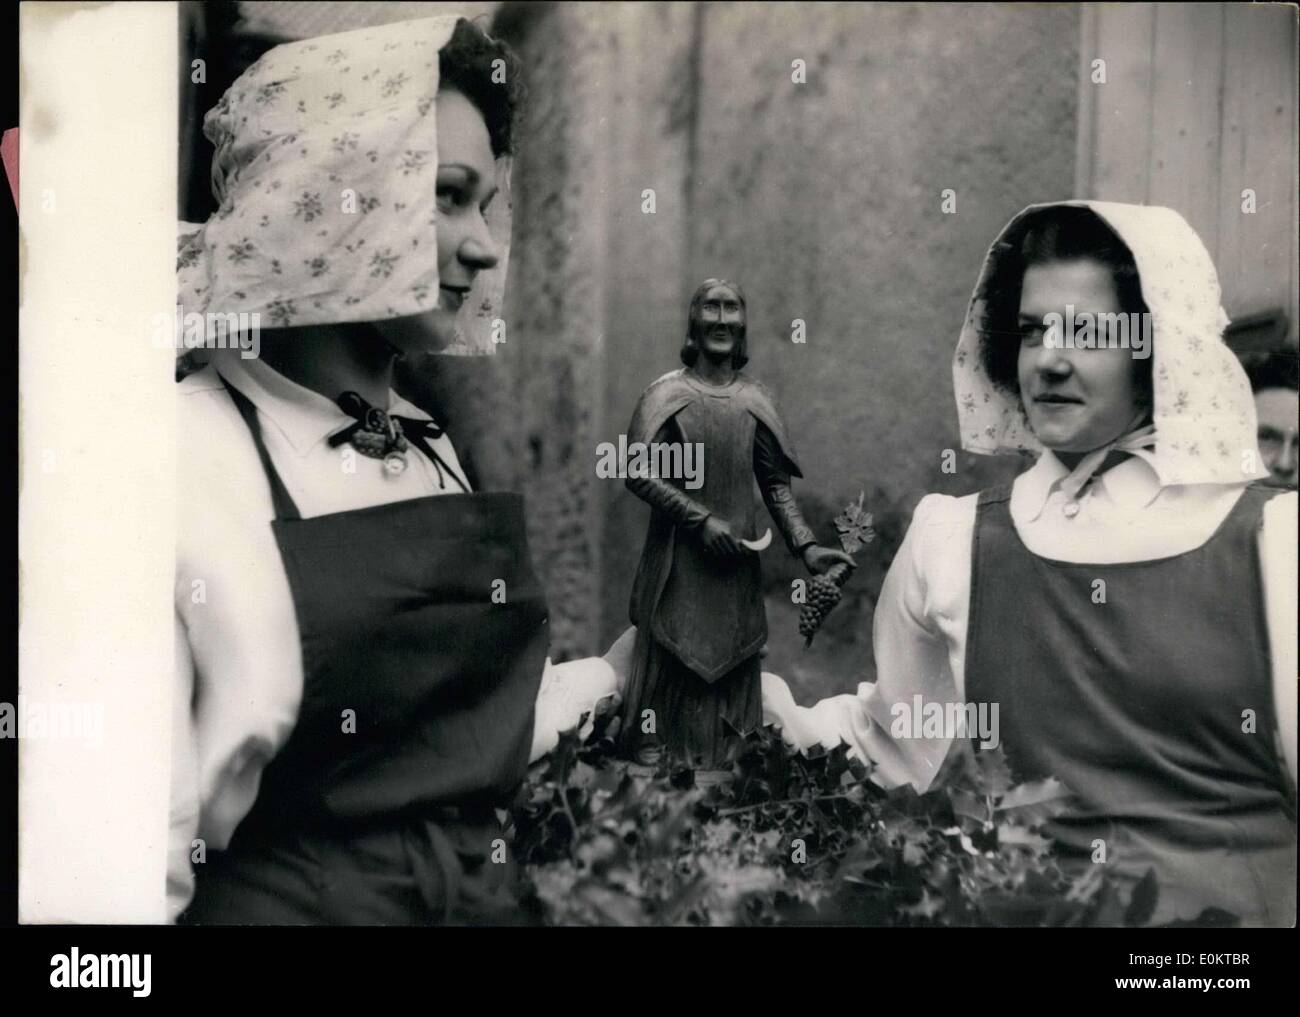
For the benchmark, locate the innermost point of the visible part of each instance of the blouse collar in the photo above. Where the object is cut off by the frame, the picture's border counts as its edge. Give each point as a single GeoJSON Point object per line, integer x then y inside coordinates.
{"type": "Point", "coordinates": [1131, 485]}
{"type": "Point", "coordinates": [304, 417]}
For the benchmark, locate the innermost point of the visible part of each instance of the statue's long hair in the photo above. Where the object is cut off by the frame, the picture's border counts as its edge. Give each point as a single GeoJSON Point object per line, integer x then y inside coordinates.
{"type": "Point", "coordinates": [691, 352]}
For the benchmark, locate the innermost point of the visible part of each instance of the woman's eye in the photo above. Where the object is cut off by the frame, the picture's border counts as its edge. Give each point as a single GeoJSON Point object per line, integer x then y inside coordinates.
{"type": "Point", "coordinates": [450, 197]}
{"type": "Point", "coordinates": [1031, 335]}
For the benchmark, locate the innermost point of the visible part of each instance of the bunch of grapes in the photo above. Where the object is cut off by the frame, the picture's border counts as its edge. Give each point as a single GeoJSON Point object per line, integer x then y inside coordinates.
{"type": "Point", "coordinates": [823, 594]}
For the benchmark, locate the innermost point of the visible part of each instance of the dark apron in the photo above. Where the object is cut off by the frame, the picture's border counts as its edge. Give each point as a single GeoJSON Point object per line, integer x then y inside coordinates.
{"type": "Point", "coordinates": [415, 725]}
{"type": "Point", "coordinates": [1137, 704]}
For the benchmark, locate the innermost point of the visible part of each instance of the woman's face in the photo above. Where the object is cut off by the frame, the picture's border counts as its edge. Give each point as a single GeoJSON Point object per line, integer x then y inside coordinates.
{"type": "Point", "coordinates": [1076, 399]}
{"type": "Point", "coordinates": [466, 186]}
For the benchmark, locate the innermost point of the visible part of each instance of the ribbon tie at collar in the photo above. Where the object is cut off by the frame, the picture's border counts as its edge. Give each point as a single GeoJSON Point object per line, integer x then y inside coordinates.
{"type": "Point", "coordinates": [1139, 442]}
{"type": "Point", "coordinates": [381, 435]}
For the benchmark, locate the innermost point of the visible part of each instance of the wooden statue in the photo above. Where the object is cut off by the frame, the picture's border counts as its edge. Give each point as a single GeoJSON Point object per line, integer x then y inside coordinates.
{"type": "Point", "coordinates": [697, 601]}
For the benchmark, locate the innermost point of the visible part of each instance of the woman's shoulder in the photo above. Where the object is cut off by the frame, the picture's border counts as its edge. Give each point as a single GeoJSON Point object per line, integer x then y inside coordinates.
{"type": "Point", "coordinates": [938, 539]}
{"type": "Point", "coordinates": [943, 511]}
{"type": "Point", "coordinates": [217, 457]}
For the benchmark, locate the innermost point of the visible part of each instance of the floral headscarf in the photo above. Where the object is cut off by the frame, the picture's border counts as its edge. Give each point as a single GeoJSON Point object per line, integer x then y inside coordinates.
{"type": "Point", "coordinates": [1204, 414]}
{"type": "Point", "coordinates": [325, 170]}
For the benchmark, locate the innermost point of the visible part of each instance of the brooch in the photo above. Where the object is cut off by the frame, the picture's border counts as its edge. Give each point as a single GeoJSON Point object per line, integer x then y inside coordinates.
{"type": "Point", "coordinates": [376, 435]}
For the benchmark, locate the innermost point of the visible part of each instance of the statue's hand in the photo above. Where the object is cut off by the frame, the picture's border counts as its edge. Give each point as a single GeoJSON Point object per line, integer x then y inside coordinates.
{"type": "Point", "coordinates": [819, 559]}
{"type": "Point", "coordinates": [717, 537]}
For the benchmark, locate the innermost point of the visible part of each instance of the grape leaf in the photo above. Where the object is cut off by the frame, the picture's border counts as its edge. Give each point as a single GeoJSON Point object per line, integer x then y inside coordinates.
{"type": "Point", "coordinates": [854, 525]}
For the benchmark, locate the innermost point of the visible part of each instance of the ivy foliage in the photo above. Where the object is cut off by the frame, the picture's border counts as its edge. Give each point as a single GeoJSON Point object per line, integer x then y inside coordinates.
{"type": "Point", "coordinates": [784, 838]}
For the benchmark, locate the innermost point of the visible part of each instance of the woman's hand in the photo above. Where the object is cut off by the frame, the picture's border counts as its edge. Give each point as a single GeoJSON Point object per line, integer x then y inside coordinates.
{"type": "Point", "coordinates": [718, 539]}
{"type": "Point", "coordinates": [819, 559]}
{"type": "Point", "coordinates": [583, 694]}
{"type": "Point", "coordinates": [604, 721]}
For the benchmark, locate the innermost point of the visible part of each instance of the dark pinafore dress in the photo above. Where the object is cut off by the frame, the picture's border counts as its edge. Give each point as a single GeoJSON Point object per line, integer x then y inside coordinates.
{"type": "Point", "coordinates": [415, 726]}
{"type": "Point", "coordinates": [1155, 707]}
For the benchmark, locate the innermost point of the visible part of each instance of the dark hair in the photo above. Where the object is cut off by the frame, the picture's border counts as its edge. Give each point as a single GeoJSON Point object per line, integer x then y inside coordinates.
{"type": "Point", "coordinates": [1273, 369]}
{"type": "Point", "coordinates": [465, 64]}
{"type": "Point", "coordinates": [1060, 233]}
{"type": "Point", "coordinates": [691, 352]}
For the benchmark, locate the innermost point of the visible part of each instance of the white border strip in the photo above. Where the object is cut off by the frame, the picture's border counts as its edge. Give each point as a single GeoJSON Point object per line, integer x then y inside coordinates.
{"type": "Point", "coordinates": [97, 446]}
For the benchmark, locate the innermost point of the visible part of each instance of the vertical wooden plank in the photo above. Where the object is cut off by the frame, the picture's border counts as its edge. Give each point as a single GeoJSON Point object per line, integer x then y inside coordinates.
{"type": "Point", "coordinates": [1085, 145]}
{"type": "Point", "coordinates": [1289, 30]}
{"type": "Point", "coordinates": [1122, 128]}
{"type": "Point", "coordinates": [1185, 128]}
{"type": "Point", "coordinates": [1256, 252]}
{"type": "Point", "coordinates": [1291, 111]}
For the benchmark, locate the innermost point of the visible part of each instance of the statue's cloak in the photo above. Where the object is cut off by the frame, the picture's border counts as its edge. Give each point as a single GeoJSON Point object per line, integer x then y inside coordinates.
{"type": "Point", "coordinates": [707, 611]}
{"type": "Point", "coordinates": [668, 394]}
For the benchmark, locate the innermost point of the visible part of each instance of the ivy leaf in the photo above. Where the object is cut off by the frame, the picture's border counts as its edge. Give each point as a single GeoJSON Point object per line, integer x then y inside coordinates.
{"type": "Point", "coordinates": [1142, 905]}
{"type": "Point", "coordinates": [612, 907]}
{"type": "Point", "coordinates": [966, 844]}
{"type": "Point", "coordinates": [927, 907]}
{"type": "Point", "coordinates": [968, 806]}
{"type": "Point", "coordinates": [1108, 906]}
{"type": "Point", "coordinates": [1086, 887]}
{"type": "Point", "coordinates": [1022, 837]}
{"type": "Point", "coordinates": [1034, 802]}
{"type": "Point", "coordinates": [1210, 918]}
{"type": "Point", "coordinates": [989, 772]}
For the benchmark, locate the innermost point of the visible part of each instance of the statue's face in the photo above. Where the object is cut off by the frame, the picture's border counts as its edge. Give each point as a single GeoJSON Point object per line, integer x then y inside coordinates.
{"type": "Point", "coordinates": [719, 322]}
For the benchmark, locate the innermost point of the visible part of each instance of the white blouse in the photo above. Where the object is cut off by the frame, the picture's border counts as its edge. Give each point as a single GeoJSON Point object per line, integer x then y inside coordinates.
{"type": "Point", "coordinates": [921, 616]}
{"type": "Point", "coordinates": [238, 670]}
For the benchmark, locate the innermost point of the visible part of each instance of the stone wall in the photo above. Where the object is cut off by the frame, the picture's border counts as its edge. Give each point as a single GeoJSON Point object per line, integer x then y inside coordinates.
{"type": "Point", "coordinates": [822, 199]}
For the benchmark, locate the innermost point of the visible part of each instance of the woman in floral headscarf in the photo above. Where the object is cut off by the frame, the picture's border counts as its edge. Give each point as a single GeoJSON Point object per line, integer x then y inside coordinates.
{"type": "Point", "coordinates": [362, 669]}
{"type": "Point", "coordinates": [1128, 603]}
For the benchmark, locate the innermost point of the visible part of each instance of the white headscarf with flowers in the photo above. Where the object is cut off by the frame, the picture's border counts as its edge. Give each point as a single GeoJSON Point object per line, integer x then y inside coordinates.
{"type": "Point", "coordinates": [1203, 414]}
{"type": "Point", "coordinates": [325, 169]}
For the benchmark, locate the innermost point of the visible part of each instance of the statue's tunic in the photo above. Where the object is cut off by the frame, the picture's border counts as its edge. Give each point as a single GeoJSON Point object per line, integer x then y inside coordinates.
{"type": "Point", "coordinates": [699, 616]}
